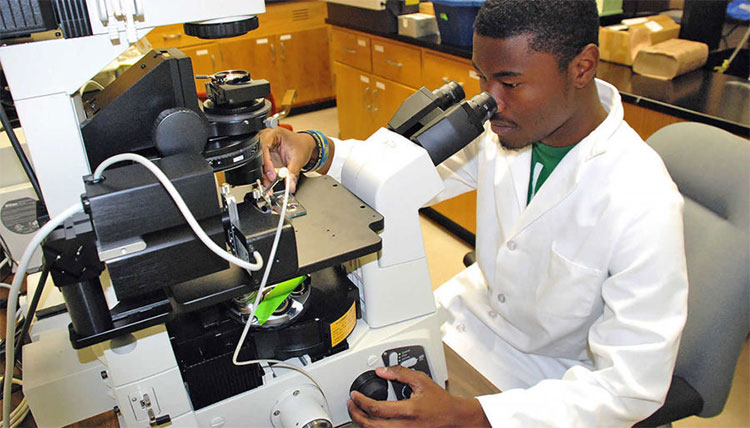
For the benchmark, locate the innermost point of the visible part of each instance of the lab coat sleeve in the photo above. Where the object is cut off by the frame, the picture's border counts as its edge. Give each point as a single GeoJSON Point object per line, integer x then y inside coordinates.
{"type": "Point", "coordinates": [633, 345]}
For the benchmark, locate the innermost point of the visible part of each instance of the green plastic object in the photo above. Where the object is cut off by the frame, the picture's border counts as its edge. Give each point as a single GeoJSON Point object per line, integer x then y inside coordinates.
{"type": "Point", "coordinates": [274, 298]}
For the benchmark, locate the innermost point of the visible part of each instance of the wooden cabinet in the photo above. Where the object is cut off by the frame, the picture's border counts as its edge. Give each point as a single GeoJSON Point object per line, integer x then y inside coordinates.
{"type": "Point", "coordinates": [293, 60]}
{"type": "Point", "coordinates": [373, 76]}
{"type": "Point", "coordinates": [438, 70]}
{"type": "Point", "coordinates": [289, 49]}
{"type": "Point", "coordinates": [365, 101]}
{"type": "Point", "coordinates": [644, 121]}
{"type": "Point", "coordinates": [206, 60]}
{"type": "Point", "coordinates": [397, 62]}
{"type": "Point", "coordinates": [351, 48]}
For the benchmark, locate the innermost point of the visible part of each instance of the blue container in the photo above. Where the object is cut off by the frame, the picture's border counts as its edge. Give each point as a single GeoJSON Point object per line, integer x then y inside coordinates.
{"type": "Point", "coordinates": [455, 20]}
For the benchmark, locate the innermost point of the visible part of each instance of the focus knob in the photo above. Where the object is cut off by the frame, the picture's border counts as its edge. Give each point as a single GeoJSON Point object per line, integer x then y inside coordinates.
{"type": "Point", "coordinates": [369, 384]}
{"type": "Point", "coordinates": [179, 130]}
{"type": "Point", "coordinates": [220, 30]}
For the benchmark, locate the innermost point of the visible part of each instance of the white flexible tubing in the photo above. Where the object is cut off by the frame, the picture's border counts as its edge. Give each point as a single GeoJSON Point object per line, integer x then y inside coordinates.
{"type": "Point", "coordinates": [258, 265]}
{"type": "Point", "coordinates": [19, 413]}
{"type": "Point", "coordinates": [278, 363]}
{"type": "Point", "coordinates": [263, 281]}
{"type": "Point", "coordinates": [10, 330]}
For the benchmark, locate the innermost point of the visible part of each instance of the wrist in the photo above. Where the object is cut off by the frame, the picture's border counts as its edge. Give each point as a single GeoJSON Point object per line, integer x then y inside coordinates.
{"type": "Point", "coordinates": [474, 414]}
{"type": "Point", "coordinates": [319, 158]}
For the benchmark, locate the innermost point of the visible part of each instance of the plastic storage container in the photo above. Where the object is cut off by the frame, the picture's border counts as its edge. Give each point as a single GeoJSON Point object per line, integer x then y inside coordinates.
{"type": "Point", "coordinates": [455, 20]}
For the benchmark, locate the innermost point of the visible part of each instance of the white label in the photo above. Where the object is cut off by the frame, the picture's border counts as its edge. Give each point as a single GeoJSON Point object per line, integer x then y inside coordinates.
{"type": "Point", "coordinates": [378, 48]}
{"type": "Point", "coordinates": [364, 78]}
{"type": "Point", "coordinates": [405, 23]}
{"type": "Point", "coordinates": [634, 21]}
{"type": "Point", "coordinates": [473, 74]}
{"type": "Point", "coordinates": [362, 42]}
{"type": "Point", "coordinates": [262, 41]}
{"type": "Point", "coordinates": [380, 85]}
{"type": "Point", "coordinates": [617, 27]}
{"type": "Point", "coordinates": [201, 52]}
{"type": "Point", "coordinates": [285, 37]}
{"type": "Point", "coordinates": [238, 158]}
{"type": "Point", "coordinates": [654, 26]}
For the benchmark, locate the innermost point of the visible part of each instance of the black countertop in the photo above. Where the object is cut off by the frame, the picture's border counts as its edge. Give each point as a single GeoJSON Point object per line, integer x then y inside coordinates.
{"type": "Point", "coordinates": [700, 96]}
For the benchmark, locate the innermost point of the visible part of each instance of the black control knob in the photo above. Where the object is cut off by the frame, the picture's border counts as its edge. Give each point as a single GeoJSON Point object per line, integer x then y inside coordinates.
{"type": "Point", "coordinates": [179, 130]}
{"type": "Point", "coordinates": [220, 30]}
{"type": "Point", "coordinates": [369, 384]}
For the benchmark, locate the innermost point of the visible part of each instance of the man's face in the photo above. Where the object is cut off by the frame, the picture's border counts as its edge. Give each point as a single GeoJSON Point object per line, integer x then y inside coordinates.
{"type": "Point", "coordinates": [532, 93]}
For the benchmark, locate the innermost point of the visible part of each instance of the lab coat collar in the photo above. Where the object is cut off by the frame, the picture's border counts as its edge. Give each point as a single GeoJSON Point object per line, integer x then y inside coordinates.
{"type": "Point", "coordinates": [566, 175]}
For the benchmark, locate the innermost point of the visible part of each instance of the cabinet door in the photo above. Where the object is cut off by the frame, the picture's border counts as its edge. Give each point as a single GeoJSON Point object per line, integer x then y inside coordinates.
{"type": "Point", "coordinates": [206, 60]}
{"type": "Point", "coordinates": [303, 63]}
{"type": "Point", "coordinates": [258, 56]}
{"type": "Point", "coordinates": [387, 97]}
{"type": "Point", "coordinates": [438, 70]}
{"type": "Point", "coordinates": [354, 102]}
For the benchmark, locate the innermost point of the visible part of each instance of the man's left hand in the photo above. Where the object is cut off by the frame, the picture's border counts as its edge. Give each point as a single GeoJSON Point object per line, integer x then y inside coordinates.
{"type": "Point", "coordinates": [429, 405]}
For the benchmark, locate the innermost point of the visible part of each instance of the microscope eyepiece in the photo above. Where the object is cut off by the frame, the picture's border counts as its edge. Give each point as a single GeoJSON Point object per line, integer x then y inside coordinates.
{"type": "Point", "coordinates": [483, 105]}
{"type": "Point", "coordinates": [449, 94]}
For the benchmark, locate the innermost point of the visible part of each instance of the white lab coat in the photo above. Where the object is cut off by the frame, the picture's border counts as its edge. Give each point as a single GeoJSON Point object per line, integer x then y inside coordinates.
{"type": "Point", "coordinates": [575, 307]}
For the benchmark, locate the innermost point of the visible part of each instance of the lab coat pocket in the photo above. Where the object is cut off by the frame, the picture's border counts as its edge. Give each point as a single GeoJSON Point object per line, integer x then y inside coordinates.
{"type": "Point", "coordinates": [568, 289]}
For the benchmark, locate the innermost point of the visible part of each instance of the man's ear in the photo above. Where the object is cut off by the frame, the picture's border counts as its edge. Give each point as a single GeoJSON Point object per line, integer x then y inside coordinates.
{"type": "Point", "coordinates": [582, 68]}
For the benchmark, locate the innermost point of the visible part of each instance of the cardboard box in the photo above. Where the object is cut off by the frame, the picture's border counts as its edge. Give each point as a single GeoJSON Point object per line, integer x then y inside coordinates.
{"type": "Point", "coordinates": [620, 43]}
{"type": "Point", "coordinates": [417, 25]}
{"type": "Point", "coordinates": [669, 59]}
{"type": "Point", "coordinates": [427, 7]}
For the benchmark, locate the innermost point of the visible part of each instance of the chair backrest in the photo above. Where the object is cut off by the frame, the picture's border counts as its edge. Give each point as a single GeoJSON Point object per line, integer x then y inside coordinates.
{"type": "Point", "coordinates": [711, 167]}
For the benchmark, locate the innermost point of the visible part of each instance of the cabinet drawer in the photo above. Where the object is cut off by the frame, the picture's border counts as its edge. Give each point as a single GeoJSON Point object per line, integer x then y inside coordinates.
{"type": "Point", "coordinates": [350, 49]}
{"type": "Point", "coordinates": [397, 62]}
{"type": "Point", "coordinates": [437, 69]}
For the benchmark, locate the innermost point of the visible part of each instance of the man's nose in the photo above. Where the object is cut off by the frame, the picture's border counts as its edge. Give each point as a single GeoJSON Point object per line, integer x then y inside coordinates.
{"type": "Point", "coordinates": [497, 96]}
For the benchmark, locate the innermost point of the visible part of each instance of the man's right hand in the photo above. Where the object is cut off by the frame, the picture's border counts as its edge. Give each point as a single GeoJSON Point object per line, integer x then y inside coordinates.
{"type": "Point", "coordinates": [282, 147]}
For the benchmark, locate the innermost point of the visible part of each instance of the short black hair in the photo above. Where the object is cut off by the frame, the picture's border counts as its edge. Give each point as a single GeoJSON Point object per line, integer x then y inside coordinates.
{"type": "Point", "coordinates": [558, 27]}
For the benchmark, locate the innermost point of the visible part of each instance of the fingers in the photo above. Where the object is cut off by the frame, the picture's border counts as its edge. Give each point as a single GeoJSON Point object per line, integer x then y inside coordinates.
{"type": "Point", "coordinates": [413, 378]}
{"type": "Point", "coordinates": [268, 140]}
{"type": "Point", "coordinates": [369, 408]}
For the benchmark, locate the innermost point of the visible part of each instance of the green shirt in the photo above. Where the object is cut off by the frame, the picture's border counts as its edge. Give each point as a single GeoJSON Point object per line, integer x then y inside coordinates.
{"type": "Point", "coordinates": [544, 159]}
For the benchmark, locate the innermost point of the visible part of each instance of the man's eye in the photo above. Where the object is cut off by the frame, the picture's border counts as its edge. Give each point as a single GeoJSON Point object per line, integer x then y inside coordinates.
{"type": "Point", "coordinates": [510, 85]}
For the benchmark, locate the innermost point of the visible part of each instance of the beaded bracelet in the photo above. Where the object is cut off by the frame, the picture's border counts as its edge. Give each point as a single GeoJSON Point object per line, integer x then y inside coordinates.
{"type": "Point", "coordinates": [323, 146]}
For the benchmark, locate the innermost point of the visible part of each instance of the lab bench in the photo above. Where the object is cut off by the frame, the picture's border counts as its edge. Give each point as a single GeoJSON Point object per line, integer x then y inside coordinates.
{"type": "Point", "coordinates": [374, 72]}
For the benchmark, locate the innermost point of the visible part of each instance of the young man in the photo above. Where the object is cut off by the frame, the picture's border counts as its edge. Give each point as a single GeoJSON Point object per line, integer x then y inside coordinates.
{"type": "Point", "coordinates": [577, 302]}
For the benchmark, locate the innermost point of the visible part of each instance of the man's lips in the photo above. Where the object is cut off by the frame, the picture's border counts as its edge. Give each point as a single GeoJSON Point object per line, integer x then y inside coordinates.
{"type": "Point", "coordinates": [502, 127]}
{"type": "Point", "coordinates": [498, 122]}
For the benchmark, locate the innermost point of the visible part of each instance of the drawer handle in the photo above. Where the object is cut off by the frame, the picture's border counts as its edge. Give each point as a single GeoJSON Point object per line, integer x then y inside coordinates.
{"type": "Point", "coordinates": [351, 51]}
{"type": "Point", "coordinates": [364, 99]}
{"type": "Point", "coordinates": [374, 101]}
{"type": "Point", "coordinates": [394, 63]}
{"type": "Point", "coordinates": [273, 53]}
{"type": "Point", "coordinates": [172, 36]}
